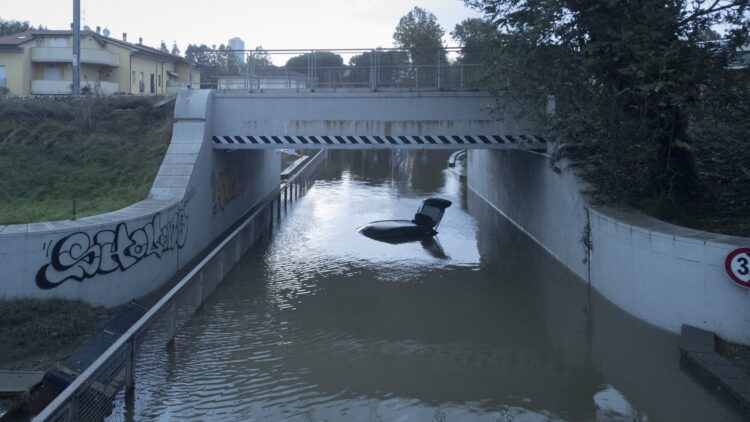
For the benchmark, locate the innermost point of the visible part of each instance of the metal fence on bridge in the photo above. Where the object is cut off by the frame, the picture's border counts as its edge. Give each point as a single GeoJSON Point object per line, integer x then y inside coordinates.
{"type": "Point", "coordinates": [449, 68]}
{"type": "Point", "coordinates": [105, 390]}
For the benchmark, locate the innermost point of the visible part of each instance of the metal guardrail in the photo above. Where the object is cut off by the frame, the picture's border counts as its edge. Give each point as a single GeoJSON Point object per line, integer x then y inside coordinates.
{"type": "Point", "coordinates": [175, 87]}
{"type": "Point", "coordinates": [455, 76]}
{"type": "Point", "coordinates": [92, 395]}
{"type": "Point", "coordinates": [450, 68]}
{"type": "Point", "coordinates": [178, 84]}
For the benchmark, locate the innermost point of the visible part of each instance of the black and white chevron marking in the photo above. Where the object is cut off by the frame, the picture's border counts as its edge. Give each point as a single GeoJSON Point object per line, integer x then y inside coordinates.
{"type": "Point", "coordinates": [465, 141]}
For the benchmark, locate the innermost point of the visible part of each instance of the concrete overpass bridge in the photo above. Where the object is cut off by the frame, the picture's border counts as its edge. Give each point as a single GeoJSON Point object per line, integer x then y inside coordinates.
{"type": "Point", "coordinates": [219, 184]}
{"type": "Point", "coordinates": [352, 119]}
{"type": "Point", "coordinates": [379, 100]}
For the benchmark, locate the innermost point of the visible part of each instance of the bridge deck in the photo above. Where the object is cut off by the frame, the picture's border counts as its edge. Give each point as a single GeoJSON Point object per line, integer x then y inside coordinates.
{"type": "Point", "coordinates": [379, 142]}
{"type": "Point", "coordinates": [369, 120]}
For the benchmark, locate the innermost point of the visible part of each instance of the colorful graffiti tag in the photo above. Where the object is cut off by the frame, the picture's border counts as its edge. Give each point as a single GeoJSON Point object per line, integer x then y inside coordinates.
{"type": "Point", "coordinates": [81, 256]}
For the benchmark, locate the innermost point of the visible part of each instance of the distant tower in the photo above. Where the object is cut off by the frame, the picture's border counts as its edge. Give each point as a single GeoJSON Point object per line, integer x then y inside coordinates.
{"type": "Point", "coordinates": [238, 45]}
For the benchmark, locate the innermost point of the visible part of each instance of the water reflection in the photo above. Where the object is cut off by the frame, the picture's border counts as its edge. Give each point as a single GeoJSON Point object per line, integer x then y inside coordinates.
{"type": "Point", "coordinates": [409, 172]}
{"type": "Point", "coordinates": [325, 324]}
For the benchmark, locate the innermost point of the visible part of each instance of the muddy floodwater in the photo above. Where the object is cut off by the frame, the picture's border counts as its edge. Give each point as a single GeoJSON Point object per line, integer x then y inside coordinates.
{"type": "Point", "coordinates": [318, 322]}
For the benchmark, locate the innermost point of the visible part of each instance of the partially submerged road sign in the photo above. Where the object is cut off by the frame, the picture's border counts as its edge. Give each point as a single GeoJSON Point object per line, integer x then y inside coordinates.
{"type": "Point", "coordinates": [737, 265]}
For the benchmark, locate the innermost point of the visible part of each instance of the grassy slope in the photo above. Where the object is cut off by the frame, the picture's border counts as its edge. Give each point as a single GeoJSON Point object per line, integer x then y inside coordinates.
{"type": "Point", "coordinates": [102, 152]}
{"type": "Point", "coordinates": [33, 331]}
{"type": "Point", "coordinates": [723, 203]}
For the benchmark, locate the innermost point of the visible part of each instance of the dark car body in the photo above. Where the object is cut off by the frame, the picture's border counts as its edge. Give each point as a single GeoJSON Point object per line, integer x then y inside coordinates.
{"type": "Point", "coordinates": [424, 224]}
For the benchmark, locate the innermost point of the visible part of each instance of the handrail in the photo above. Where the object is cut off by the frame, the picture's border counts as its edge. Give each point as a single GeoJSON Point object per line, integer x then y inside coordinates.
{"type": "Point", "coordinates": [299, 173]}
{"type": "Point", "coordinates": [142, 323]}
{"type": "Point", "coordinates": [454, 157]}
{"type": "Point", "coordinates": [155, 311]}
{"type": "Point", "coordinates": [340, 50]}
{"type": "Point", "coordinates": [441, 68]}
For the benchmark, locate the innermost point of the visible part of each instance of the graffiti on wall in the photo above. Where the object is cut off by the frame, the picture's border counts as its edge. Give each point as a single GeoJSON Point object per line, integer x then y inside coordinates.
{"type": "Point", "coordinates": [226, 185]}
{"type": "Point", "coordinates": [189, 195]}
{"type": "Point", "coordinates": [80, 256]}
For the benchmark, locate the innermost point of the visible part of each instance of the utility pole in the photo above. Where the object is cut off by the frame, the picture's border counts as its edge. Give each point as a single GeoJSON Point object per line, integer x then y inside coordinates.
{"type": "Point", "coordinates": [76, 47]}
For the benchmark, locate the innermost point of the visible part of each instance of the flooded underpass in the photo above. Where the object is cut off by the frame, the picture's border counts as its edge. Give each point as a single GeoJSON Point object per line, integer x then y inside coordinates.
{"type": "Point", "coordinates": [321, 323]}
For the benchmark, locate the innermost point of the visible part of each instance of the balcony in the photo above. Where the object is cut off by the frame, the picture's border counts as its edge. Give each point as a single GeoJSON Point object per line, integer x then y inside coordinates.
{"type": "Point", "coordinates": [47, 87]}
{"type": "Point", "coordinates": [65, 55]}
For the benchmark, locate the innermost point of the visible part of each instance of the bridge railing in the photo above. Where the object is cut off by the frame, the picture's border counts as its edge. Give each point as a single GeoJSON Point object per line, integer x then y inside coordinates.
{"type": "Point", "coordinates": [105, 390]}
{"type": "Point", "coordinates": [449, 68]}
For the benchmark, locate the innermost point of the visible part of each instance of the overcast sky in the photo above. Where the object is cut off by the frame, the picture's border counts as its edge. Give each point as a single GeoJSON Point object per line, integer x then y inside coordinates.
{"type": "Point", "coordinates": [274, 24]}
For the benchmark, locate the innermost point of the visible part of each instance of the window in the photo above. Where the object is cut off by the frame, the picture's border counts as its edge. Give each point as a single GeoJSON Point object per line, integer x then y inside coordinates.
{"type": "Point", "coordinates": [2, 77]}
{"type": "Point", "coordinates": [159, 81]}
{"type": "Point", "coordinates": [58, 42]}
{"type": "Point", "coordinates": [52, 74]}
{"type": "Point", "coordinates": [133, 78]}
{"type": "Point", "coordinates": [141, 85]}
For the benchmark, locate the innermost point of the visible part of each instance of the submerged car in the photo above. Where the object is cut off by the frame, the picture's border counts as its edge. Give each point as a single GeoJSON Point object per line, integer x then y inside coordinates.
{"type": "Point", "coordinates": [424, 225]}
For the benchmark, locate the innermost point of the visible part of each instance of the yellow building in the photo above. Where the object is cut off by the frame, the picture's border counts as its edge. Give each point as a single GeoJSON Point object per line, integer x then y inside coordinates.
{"type": "Point", "coordinates": [40, 63]}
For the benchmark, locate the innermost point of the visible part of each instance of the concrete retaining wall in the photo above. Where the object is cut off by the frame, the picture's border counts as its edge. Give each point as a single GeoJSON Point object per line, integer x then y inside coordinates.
{"type": "Point", "coordinates": [661, 273]}
{"type": "Point", "coordinates": [112, 258]}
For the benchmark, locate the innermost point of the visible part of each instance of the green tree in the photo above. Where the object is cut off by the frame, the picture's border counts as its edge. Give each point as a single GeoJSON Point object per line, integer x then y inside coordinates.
{"type": "Point", "coordinates": [213, 61]}
{"type": "Point", "coordinates": [175, 49]}
{"type": "Point", "coordinates": [421, 35]}
{"type": "Point", "coordinates": [258, 58]}
{"type": "Point", "coordinates": [221, 57]}
{"type": "Point", "coordinates": [625, 75]}
{"type": "Point", "coordinates": [386, 58]}
{"type": "Point", "coordinates": [227, 60]}
{"type": "Point", "coordinates": [329, 66]}
{"type": "Point", "coordinates": [9, 26]}
{"type": "Point", "coordinates": [199, 54]}
{"type": "Point", "coordinates": [163, 47]}
{"type": "Point", "coordinates": [323, 59]}
{"type": "Point", "coordinates": [203, 56]}
{"type": "Point", "coordinates": [394, 67]}
{"type": "Point", "coordinates": [475, 37]}
{"type": "Point", "coordinates": [708, 34]}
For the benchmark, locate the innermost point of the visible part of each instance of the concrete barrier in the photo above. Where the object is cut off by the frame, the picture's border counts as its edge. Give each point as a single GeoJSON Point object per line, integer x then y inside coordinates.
{"type": "Point", "coordinates": [112, 258]}
{"type": "Point", "coordinates": [661, 273]}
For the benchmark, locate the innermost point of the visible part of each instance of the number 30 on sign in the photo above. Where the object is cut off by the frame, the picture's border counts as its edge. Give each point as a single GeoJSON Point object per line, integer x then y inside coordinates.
{"type": "Point", "coordinates": [738, 266]}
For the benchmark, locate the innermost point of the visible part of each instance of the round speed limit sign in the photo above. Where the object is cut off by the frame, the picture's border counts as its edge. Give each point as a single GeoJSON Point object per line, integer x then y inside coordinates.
{"type": "Point", "coordinates": [738, 266]}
